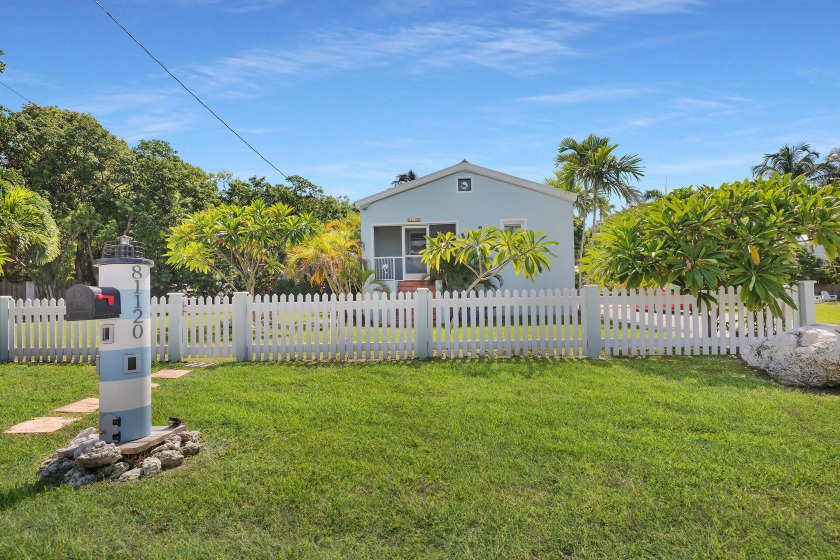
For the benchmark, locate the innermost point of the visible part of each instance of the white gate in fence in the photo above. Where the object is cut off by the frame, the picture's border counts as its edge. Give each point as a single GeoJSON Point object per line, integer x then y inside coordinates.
{"type": "Point", "coordinates": [532, 323]}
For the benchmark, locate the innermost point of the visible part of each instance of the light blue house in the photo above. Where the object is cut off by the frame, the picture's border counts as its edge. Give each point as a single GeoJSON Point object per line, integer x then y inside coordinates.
{"type": "Point", "coordinates": [395, 222]}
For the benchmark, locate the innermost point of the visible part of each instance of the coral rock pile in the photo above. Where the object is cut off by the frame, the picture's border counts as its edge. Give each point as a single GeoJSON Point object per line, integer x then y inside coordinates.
{"type": "Point", "coordinates": [95, 460]}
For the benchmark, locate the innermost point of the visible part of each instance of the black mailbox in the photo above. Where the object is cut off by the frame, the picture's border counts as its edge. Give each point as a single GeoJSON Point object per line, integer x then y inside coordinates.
{"type": "Point", "coordinates": [85, 303]}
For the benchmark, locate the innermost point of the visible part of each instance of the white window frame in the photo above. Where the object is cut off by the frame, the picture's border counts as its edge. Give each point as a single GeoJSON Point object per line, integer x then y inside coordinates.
{"type": "Point", "coordinates": [521, 222]}
{"type": "Point", "coordinates": [110, 328]}
{"type": "Point", "coordinates": [136, 363]}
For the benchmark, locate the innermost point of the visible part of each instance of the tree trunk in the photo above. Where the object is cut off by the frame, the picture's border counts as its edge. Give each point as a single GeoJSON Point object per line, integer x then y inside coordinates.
{"type": "Point", "coordinates": [90, 255]}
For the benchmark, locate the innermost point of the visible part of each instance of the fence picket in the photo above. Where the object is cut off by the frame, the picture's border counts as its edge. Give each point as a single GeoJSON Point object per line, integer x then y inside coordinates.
{"type": "Point", "coordinates": [542, 323]}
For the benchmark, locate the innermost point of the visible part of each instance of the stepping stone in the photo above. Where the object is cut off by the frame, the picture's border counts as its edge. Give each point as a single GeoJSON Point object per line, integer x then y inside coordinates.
{"type": "Point", "coordinates": [84, 406]}
{"type": "Point", "coordinates": [41, 425]}
{"type": "Point", "coordinates": [155, 385]}
{"type": "Point", "coordinates": [171, 373]}
{"type": "Point", "coordinates": [198, 364]}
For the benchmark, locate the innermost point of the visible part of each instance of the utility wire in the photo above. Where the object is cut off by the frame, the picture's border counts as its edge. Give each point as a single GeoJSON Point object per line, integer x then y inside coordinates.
{"type": "Point", "coordinates": [16, 93]}
{"type": "Point", "coordinates": [203, 104]}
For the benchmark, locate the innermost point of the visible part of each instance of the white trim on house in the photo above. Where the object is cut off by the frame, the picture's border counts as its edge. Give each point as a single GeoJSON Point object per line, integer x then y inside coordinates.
{"type": "Point", "coordinates": [462, 169]}
{"type": "Point", "coordinates": [521, 222]}
{"type": "Point", "coordinates": [402, 256]}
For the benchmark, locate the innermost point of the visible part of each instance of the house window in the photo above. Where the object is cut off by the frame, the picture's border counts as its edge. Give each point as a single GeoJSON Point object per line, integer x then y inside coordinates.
{"type": "Point", "coordinates": [465, 185]}
{"type": "Point", "coordinates": [132, 363]}
{"type": "Point", "coordinates": [107, 334]}
{"type": "Point", "coordinates": [513, 225]}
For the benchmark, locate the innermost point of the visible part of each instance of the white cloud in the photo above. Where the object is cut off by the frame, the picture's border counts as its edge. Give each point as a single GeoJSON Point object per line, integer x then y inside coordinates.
{"type": "Point", "coordinates": [234, 6]}
{"type": "Point", "coordinates": [606, 8]}
{"type": "Point", "coordinates": [432, 45]}
{"type": "Point", "coordinates": [135, 115]}
{"type": "Point", "coordinates": [695, 165]}
{"type": "Point", "coordinates": [683, 109]}
{"type": "Point", "coordinates": [598, 93]}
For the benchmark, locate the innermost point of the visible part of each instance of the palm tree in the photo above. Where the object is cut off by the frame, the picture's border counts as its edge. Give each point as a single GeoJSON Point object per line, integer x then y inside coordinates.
{"type": "Point", "coordinates": [797, 160]}
{"type": "Point", "coordinates": [28, 234]}
{"type": "Point", "coordinates": [582, 202]}
{"type": "Point", "coordinates": [828, 171]}
{"type": "Point", "coordinates": [593, 166]}
{"type": "Point", "coordinates": [404, 178]}
{"type": "Point", "coordinates": [652, 194]}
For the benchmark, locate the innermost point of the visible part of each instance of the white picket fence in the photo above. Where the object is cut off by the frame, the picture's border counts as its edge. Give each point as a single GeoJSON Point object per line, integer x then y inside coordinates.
{"type": "Point", "coordinates": [531, 323]}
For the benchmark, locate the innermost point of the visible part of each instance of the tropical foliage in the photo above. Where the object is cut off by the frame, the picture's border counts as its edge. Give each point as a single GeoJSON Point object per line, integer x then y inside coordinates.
{"type": "Point", "coordinates": [238, 243]}
{"type": "Point", "coordinates": [812, 267]}
{"type": "Point", "coordinates": [797, 160]}
{"type": "Point", "coordinates": [28, 234]}
{"type": "Point", "coordinates": [742, 234]}
{"type": "Point", "coordinates": [652, 194]}
{"type": "Point", "coordinates": [332, 259]}
{"type": "Point", "coordinates": [800, 160]}
{"type": "Point", "coordinates": [98, 187]}
{"type": "Point", "coordinates": [486, 251]}
{"type": "Point", "coordinates": [592, 169]}
{"type": "Point", "coordinates": [404, 178]}
{"type": "Point", "coordinates": [301, 194]}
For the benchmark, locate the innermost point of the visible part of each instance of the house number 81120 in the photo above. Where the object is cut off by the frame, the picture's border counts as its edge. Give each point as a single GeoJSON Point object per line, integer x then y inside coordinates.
{"type": "Point", "coordinates": [137, 275]}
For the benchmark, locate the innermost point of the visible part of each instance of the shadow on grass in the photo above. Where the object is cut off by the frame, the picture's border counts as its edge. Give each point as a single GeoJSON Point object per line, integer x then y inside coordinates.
{"type": "Point", "coordinates": [711, 371]}
{"type": "Point", "coordinates": [10, 497]}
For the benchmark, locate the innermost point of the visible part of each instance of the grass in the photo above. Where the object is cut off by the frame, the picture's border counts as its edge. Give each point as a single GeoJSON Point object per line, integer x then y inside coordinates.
{"type": "Point", "coordinates": [828, 312]}
{"type": "Point", "coordinates": [668, 457]}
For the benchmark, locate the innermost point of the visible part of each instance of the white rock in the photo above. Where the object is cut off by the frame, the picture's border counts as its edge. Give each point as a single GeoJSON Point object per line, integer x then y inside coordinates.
{"type": "Point", "coordinates": [151, 466]}
{"type": "Point", "coordinates": [79, 476]}
{"type": "Point", "coordinates": [99, 455]}
{"type": "Point", "coordinates": [169, 458]}
{"type": "Point", "coordinates": [54, 469]}
{"type": "Point", "coordinates": [805, 357]}
{"type": "Point", "coordinates": [194, 436]}
{"type": "Point", "coordinates": [84, 446]}
{"type": "Point", "coordinates": [190, 448]}
{"type": "Point", "coordinates": [84, 435]}
{"type": "Point", "coordinates": [115, 471]}
{"type": "Point", "coordinates": [173, 441]}
{"type": "Point", "coordinates": [130, 476]}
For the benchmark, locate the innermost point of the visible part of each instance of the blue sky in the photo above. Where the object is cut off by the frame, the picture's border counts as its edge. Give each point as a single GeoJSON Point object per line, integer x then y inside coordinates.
{"type": "Point", "coordinates": [351, 93]}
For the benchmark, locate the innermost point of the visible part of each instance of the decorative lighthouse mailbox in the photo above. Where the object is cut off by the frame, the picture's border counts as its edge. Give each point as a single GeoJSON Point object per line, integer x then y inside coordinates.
{"type": "Point", "coordinates": [122, 303]}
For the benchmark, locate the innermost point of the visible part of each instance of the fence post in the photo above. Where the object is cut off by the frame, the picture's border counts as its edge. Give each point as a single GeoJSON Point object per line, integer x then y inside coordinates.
{"type": "Point", "coordinates": [174, 312]}
{"type": "Point", "coordinates": [5, 304]}
{"type": "Point", "coordinates": [807, 301]}
{"type": "Point", "coordinates": [422, 335]}
{"type": "Point", "coordinates": [241, 326]}
{"type": "Point", "coordinates": [592, 316]}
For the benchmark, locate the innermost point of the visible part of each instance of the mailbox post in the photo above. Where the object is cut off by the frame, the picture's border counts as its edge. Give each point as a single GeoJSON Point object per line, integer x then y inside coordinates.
{"type": "Point", "coordinates": [122, 304]}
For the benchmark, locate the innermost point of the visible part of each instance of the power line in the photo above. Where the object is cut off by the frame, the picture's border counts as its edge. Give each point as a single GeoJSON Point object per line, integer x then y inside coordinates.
{"type": "Point", "coordinates": [188, 90]}
{"type": "Point", "coordinates": [16, 93]}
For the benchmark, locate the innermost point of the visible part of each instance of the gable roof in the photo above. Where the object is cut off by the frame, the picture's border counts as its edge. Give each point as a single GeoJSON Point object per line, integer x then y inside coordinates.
{"type": "Point", "coordinates": [467, 167]}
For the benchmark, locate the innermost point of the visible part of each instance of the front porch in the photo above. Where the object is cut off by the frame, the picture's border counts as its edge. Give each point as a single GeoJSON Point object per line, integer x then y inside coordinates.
{"type": "Point", "coordinates": [396, 250]}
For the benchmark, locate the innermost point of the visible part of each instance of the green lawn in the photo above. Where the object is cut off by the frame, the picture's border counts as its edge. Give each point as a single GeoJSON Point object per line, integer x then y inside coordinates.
{"type": "Point", "coordinates": [632, 458]}
{"type": "Point", "coordinates": [828, 312]}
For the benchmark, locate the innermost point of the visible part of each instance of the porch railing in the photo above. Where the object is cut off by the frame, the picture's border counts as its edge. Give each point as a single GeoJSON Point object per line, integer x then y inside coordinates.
{"type": "Point", "coordinates": [386, 267]}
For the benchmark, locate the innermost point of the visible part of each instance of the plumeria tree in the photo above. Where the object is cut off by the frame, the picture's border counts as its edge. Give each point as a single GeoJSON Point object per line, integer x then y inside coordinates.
{"type": "Point", "coordinates": [744, 234]}
{"type": "Point", "coordinates": [486, 251]}
{"type": "Point", "coordinates": [238, 243]}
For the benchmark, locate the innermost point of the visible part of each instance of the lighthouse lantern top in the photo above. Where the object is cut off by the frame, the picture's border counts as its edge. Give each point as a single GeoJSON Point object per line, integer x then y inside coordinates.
{"type": "Point", "coordinates": [123, 250]}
